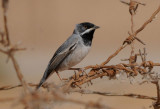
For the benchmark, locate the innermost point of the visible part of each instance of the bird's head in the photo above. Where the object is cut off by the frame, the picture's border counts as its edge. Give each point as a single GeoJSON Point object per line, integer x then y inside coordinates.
{"type": "Point", "coordinates": [85, 28]}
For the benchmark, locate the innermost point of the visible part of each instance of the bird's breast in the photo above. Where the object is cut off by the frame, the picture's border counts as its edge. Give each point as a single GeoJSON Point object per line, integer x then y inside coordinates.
{"type": "Point", "coordinates": [76, 56]}
{"type": "Point", "coordinates": [79, 54]}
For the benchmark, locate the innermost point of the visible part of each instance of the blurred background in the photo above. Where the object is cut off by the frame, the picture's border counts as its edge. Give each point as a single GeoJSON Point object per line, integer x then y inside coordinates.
{"type": "Point", "coordinates": [43, 25]}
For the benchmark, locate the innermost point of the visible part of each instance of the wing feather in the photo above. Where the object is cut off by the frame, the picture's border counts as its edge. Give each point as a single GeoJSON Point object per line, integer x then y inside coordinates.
{"type": "Point", "coordinates": [63, 51]}
{"type": "Point", "coordinates": [61, 56]}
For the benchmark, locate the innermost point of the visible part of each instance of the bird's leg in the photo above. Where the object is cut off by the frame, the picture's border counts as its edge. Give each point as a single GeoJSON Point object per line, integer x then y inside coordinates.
{"type": "Point", "coordinates": [58, 75]}
{"type": "Point", "coordinates": [74, 69]}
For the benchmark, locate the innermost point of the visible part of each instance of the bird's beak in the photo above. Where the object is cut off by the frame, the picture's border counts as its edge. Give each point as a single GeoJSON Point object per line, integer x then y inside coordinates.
{"type": "Point", "coordinates": [96, 27]}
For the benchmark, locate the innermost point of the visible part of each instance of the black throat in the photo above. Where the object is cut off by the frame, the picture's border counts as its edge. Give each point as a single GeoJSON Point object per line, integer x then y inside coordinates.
{"type": "Point", "coordinates": [87, 38]}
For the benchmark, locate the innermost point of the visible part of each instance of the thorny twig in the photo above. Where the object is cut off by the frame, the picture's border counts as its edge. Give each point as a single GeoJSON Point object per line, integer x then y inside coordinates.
{"type": "Point", "coordinates": [96, 71]}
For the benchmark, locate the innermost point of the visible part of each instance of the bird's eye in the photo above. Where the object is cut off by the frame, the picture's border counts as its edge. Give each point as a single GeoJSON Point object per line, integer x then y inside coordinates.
{"type": "Point", "coordinates": [85, 27]}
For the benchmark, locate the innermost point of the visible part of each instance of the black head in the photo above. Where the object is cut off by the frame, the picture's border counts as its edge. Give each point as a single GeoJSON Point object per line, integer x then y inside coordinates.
{"type": "Point", "coordinates": [86, 31]}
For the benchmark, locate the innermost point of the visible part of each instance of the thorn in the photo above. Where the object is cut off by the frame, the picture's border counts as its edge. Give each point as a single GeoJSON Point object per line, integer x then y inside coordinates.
{"type": "Point", "coordinates": [141, 55]}
{"type": "Point", "coordinates": [139, 40]}
{"type": "Point", "coordinates": [124, 2]}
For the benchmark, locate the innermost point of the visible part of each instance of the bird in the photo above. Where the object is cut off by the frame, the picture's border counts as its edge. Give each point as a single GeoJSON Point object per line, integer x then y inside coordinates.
{"type": "Point", "coordinates": [72, 51]}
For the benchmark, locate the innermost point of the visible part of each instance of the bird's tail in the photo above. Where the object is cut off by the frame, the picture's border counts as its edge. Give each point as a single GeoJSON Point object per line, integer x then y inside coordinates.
{"type": "Point", "coordinates": [47, 73]}
{"type": "Point", "coordinates": [40, 84]}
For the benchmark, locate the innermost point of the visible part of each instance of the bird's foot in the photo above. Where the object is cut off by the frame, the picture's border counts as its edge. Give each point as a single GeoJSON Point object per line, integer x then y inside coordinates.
{"type": "Point", "coordinates": [82, 70]}
{"type": "Point", "coordinates": [58, 75]}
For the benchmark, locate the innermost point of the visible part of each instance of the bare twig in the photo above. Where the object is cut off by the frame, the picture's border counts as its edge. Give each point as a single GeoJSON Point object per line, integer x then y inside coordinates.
{"type": "Point", "coordinates": [113, 55]}
{"type": "Point", "coordinates": [148, 21]}
{"type": "Point", "coordinates": [53, 95]}
{"type": "Point", "coordinates": [142, 27]}
{"type": "Point", "coordinates": [5, 6]}
{"type": "Point", "coordinates": [132, 25]}
{"type": "Point", "coordinates": [33, 99]}
{"type": "Point", "coordinates": [138, 96]}
{"type": "Point", "coordinates": [19, 74]}
{"type": "Point", "coordinates": [8, 48]}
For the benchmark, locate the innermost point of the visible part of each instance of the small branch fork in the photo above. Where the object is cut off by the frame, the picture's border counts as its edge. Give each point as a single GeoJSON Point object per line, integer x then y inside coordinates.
{"type": "Point", "coordinates": [8, 49]}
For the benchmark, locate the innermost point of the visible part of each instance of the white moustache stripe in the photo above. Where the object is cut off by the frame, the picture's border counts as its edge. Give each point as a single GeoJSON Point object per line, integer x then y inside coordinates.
{"type": "Point", "coordinates": [87, 31]}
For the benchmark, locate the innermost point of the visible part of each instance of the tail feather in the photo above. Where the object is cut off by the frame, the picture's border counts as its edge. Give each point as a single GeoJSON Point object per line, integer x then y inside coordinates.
{"type": "Point", "coordinates": [40, 84]}
{"type": "Point", "coordinates": [47, 73]}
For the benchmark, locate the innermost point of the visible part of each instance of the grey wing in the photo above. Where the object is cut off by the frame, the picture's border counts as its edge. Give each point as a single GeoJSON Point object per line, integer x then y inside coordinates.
{"type": "Point", "coordinates": [63, 51]}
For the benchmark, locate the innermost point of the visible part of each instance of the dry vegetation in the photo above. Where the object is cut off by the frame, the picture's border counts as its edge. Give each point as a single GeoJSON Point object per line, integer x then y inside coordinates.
{"type": "Point", "coordinates": [46, 99]}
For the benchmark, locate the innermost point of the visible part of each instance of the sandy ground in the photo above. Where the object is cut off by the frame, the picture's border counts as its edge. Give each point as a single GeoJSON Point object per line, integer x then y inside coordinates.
{"type": "Point", "coordinates": [42, 26]}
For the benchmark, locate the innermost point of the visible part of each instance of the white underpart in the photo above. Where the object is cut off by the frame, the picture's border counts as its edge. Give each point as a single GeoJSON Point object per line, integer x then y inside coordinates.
{"type": "Point", "coordinates": [75, 57]}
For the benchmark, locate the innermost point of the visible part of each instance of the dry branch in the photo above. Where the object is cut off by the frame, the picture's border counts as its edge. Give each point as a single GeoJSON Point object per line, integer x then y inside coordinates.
{"type": "Point", "coordinates": [113, 55]}
{"type": "Point", "coordinates": [148, 21]}
{"type": "Point", "coordinates": [8, 48]}
{"type": "Point", "coordinates": [53, 96]}
{"type": "Point", "coordinates": [19, 74]}
{"type": "Point", "coordinates": [95, 71]}
{"type": "Point", "coordinates": [33, 99]}
{"type": "Point", "coordinates": [138, 96]}
{"type": "Point", "coordinates": [4, 7]}
{"type": "Point", "coordinates": [82, 91]}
